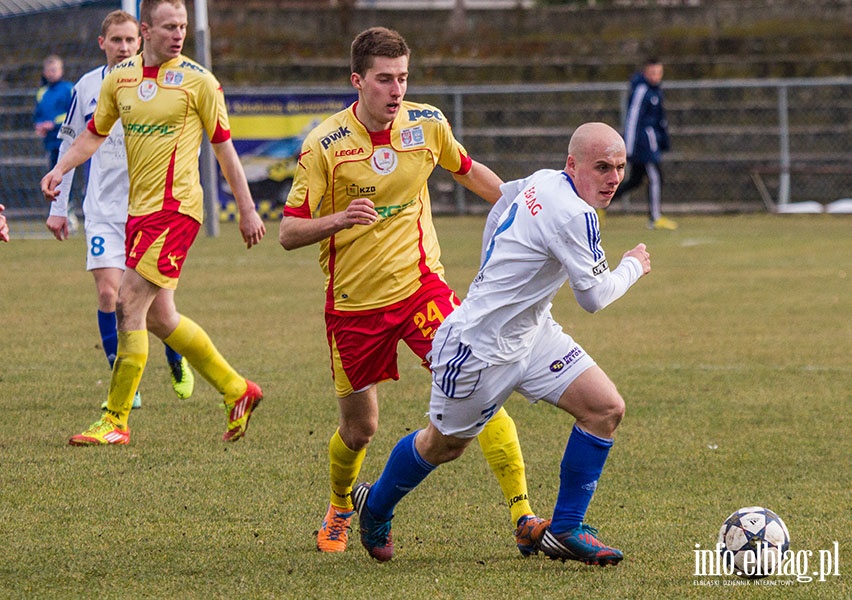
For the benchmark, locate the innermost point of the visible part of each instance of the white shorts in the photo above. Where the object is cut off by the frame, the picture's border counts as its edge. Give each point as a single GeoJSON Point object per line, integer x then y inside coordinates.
{"type": "Point", "coordinates": [104, 245]}
{"type": "Point", "coordinates": [467, 391]}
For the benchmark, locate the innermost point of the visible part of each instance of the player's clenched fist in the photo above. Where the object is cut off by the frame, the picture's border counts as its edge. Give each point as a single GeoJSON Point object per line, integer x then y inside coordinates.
{"type": "Point", "coordinates": [359, 212]}
{"type": "Point", "coordinates": [640, 254]}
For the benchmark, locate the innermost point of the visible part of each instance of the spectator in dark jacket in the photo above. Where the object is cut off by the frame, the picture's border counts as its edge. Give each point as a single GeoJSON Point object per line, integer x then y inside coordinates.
{"type": "Point", "coordinates": [52, 101]}
{"type": "Point", "coordinates": [646, 137]}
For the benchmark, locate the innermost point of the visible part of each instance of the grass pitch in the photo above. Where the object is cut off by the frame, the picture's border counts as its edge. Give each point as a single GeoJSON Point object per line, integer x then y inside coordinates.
{"type": "Point", "coordinates": [732, 355]}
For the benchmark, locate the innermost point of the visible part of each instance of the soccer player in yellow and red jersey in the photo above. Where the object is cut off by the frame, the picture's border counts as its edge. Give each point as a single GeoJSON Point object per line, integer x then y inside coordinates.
{"type": "Point", "coordinates": [165, 102]}
{"type": "Point", "coordinates": [360, 191]}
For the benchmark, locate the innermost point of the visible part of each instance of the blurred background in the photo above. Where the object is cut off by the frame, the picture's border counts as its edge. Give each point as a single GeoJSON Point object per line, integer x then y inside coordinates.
{"type": "Point", "coordinates": [758, 93]}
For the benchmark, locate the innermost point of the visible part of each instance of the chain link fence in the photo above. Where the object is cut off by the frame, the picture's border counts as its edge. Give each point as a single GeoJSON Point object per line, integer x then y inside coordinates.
{"type": "Point", "coordinates": [737, 145]}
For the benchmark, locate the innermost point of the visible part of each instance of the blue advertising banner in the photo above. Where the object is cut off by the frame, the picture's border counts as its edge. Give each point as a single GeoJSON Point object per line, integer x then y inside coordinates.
{"type": "Point", "coordinates": [268, 130]}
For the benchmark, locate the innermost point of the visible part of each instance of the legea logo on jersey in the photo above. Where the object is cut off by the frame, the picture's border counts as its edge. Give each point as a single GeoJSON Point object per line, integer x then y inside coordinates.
{"type": "Point", "coordinates": [412, 137]}
{"type": "Point", "coordinates": [414, 115]}
{"type": "Point", "coordinates": [360, 191]}
{"type": "Point", "coordinates": [384, 161]}
{"type": "Point", "coordinates": [349, 152]}
{"type": "Point", "coordinates": [146, 90]}
{"type": "Point", "coordinates": [173, 78]}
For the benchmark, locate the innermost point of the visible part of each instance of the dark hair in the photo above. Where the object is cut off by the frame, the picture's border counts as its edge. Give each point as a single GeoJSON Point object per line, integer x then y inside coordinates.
{"type": "Point", "coordinates": [373, 42]}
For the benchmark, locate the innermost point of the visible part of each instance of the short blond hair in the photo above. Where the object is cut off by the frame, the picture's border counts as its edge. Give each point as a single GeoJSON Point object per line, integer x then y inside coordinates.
{"type": "Point", "coordinates": [117, 17]}
{"type": "Point", "coordinates": [147, 8]}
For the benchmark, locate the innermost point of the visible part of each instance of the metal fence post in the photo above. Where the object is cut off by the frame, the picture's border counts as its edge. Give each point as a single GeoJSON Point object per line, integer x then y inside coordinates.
{"type": "Point", "coordinates": [784, 138]}
{"type": "Point", "coordinates": [207, 160]}
{"type": "Point", "coordinates": [458, 126]}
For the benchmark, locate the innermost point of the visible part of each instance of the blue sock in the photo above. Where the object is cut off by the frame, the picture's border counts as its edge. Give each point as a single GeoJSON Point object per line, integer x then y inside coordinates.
{"type": "Point", "coordinates": [109, 335]}
{"type": "Point", "coordinates": [404, 470]}
{"type": "Point", "coordinates": [582, 465]}
{"type": "Point", "coordinates": [171, 355]}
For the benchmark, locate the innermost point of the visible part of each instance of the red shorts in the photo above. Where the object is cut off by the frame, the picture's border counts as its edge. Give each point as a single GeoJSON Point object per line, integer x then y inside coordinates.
{"type": "Point", "coordinates": [157, 244]}
{"type": "Point", "coordinates": [363, 346]}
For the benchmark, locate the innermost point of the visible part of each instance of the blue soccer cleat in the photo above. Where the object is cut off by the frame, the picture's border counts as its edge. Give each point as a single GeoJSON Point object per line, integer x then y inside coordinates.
{"type": "Point", "coordinates": [580, 543]}
{"type": "Point", "coordinates": [375, 533]}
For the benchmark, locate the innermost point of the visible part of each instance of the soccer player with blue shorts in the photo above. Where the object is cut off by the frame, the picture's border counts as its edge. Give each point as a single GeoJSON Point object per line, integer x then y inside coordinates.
{"type": "Point", "coordinates": [105, 204]}
{"type": "Point", "coordinates": [542, 233]}
{"type": "Point", "coordinates": [166, 102]}
{"type": "Point", "coordinates": [361, 192]}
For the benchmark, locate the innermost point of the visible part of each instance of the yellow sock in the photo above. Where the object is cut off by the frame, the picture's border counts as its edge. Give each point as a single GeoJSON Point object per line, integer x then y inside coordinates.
{"type": "Point", "coordinates": [345, 466]}
{"type": "Point", "coordinates": [130, 360]}
{"type": "Point", "coordinates": [502, 450]}
{"type": "Point", "coordinates": [190, 340]}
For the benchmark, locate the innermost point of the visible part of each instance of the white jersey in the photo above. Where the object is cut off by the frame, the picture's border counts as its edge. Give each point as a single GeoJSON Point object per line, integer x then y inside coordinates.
{"type": "Point", "coordinates": [108, 186]}
{"type": "Point", "coordinates": [545, 235]}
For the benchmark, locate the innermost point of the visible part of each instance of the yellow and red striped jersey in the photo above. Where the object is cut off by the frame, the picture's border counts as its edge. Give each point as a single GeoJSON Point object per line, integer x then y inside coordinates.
{"type": "Point", "coordinates": [370, 267]}
{"type": "Point", "coordinates": [163, 111]}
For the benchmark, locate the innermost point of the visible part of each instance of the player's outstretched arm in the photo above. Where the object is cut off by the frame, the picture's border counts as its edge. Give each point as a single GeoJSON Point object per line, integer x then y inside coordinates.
{"type": "Point", "coordinates": [251, 225]}
{"type": "Point", "coordinates": [482, 181]}
{"type": "Point", "coordinates": [57, 220]}
{"type": "Point", "coordinates": [86, 144]}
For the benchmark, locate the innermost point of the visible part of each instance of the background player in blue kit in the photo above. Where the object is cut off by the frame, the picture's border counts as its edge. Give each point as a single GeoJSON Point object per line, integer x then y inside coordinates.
{"type": "Point", "coordinates": [105, 205]}
{"type": "Point", "coordinates": [646, 136]}
{"type": "Point", "coordinates": [542, 232]}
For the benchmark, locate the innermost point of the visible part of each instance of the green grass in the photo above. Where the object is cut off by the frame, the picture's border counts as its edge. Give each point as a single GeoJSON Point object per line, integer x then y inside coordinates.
{"type": "Point", "coordinates": [732, 355]}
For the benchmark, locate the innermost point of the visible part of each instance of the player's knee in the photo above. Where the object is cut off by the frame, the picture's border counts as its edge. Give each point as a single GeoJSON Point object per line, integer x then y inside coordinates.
{"type": "Point", "coordinates": [450, 448]}
{"type": "Point", "coordinates": [438, 449]}
{"type": "Point", "coordinates": [611, 412]}
{"type": "Point", "coordinates": [450, 454]}
{"type": "Point", "coordinates": [360, 440]}
{"type": "Point", "coordinates": [358, 436]}
{"type": "Point", "coordinates": [107, 297]}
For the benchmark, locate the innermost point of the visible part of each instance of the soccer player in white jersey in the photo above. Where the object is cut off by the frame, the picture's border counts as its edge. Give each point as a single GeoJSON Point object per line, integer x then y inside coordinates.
{"type": "Point", "coordinates": [105, 205]}
{"type": "Point", "coordinates": [543, 233]}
